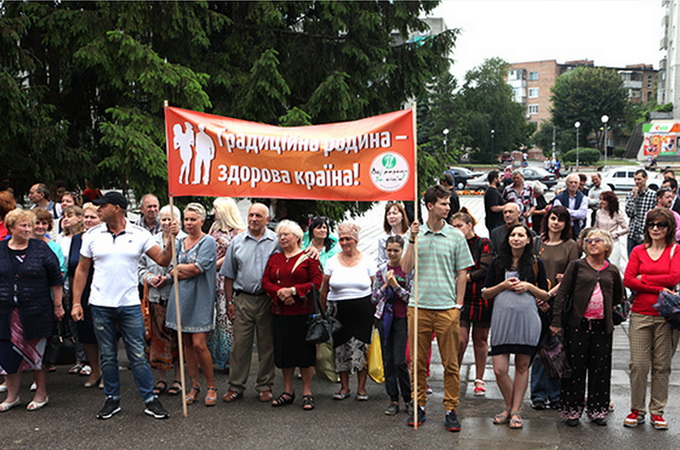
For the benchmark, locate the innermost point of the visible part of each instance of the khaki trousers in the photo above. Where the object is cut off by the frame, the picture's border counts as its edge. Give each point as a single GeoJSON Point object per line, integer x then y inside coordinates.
{"type": "Point", "coordinates": [652, 345]}
{"type": "Point", "coordinates": [445, 324]}
{"type": "Point", "coordinates": [252, 318]}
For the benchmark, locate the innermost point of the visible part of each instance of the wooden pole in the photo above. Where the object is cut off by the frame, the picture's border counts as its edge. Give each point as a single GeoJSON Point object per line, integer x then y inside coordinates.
{"type": "Point", "coordinates": [415, 274]}
{"type": "Point", "coordinates": [175, 280]}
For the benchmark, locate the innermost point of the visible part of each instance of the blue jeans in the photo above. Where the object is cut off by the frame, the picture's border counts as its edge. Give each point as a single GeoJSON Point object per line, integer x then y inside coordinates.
{"type": "Point", "coordinates": [129, 322]}
{"type": "Point", "coordinates": [542, 386]}
{"type": "Point", "coordinates": [394, 360]}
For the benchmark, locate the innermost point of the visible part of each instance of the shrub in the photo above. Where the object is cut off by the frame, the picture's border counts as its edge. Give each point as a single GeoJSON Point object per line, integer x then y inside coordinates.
{"type": "Point", "coordinates": [585, 155]}
{"type": "Point", "coordinates": [619, 152]}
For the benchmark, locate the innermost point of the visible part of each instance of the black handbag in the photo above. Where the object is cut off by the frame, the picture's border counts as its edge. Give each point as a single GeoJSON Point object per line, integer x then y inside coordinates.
{"type": "Point", "coordinates": [621, 311]}
{"type": "Point", "coordinates": [61, 347]}
{"type": "Point", "coordinates": [319, 328]}
{"type": "Point", "coordinates": [554, 357]}
{"type": "Point", "coordinates": [569, 301]}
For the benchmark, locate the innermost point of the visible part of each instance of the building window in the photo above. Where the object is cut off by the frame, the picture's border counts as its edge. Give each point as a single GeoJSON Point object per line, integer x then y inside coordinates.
{"type": "Point", "coordinates": [650, 82]}
{"type": "Point", "coordinates": [533, 92]}
{"type": "Point", "coordinates": [533, 76]}
{"type": "Point", "coordinates": [532, 109]}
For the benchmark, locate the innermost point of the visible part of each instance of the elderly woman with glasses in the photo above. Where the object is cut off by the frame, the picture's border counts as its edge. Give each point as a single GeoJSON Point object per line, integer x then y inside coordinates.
{"type": "Point", "coordinates": [595, 286]}
{"type": "Point", "coordinates": [653, 267]}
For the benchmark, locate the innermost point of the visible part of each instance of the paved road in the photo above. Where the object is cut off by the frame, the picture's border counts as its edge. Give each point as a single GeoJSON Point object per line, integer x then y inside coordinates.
{"type": "Point", "coordinates": [69, 420]}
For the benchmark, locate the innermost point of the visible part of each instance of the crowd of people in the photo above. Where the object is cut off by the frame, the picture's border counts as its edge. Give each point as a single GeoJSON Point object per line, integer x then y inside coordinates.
{"type": "Point", "coordinates": [241, 282]}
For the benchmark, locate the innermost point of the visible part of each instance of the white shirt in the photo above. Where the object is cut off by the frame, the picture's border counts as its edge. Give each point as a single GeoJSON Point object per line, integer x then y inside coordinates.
{"type": "Point", "coordinates": [115, 260]}
{"type": "Point", "coordinates": [349, 283]}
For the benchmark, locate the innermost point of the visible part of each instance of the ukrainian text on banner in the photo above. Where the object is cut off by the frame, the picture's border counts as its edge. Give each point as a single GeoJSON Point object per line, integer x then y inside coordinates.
{"type": "Point", "coordinates": [365, 160]}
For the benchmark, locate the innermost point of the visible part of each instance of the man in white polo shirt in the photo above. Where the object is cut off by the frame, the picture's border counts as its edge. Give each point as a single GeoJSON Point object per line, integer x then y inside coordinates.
{"type": "Point", "coordinates": [115, 247]}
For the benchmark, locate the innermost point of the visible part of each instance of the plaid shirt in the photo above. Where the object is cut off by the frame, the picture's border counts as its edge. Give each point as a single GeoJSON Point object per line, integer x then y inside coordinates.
{"type": "Point", "coordinates": [524, 198]}
{"type": "Point", "coordinates": [636, 209]}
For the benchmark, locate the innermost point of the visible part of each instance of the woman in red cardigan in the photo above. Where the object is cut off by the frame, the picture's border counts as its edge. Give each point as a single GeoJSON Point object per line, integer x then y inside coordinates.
{"type": "Point", "coordinates": [653, 266]}
{"type": "Point", "coordinates": [288, 278]}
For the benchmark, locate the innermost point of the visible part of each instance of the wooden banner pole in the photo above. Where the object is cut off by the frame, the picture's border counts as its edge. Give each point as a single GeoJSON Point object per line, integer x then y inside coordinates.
{"type": "Point", "coordinates": [175, 280]}
{"type": "Point", "coordinates": [416, 201]}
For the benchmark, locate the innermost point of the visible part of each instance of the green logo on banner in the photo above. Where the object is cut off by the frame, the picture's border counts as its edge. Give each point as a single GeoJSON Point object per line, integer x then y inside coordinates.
{"type": "Point", "coordinates": [389, 161]}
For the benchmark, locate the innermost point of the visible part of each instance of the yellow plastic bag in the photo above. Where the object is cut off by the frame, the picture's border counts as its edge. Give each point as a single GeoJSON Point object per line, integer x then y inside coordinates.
{"type": "Point", "coordinates": [375, 362]}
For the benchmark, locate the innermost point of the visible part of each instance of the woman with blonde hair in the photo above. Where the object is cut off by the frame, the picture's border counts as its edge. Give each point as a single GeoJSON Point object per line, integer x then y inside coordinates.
{"type": "Point", "coordinates": [228, 223]}
{"type": "Point", "coordinates": [196, 256]}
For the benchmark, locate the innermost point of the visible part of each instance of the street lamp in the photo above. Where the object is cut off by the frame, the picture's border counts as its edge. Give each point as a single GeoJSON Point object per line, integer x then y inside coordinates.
{"type": "Point", "coordinates": [446, 134]}
{"type": "Point", "coordinates": [577, 125]}
{"type": "Point", "coordinates": [493, 134]}
{"type": "Point", "coordinates": [605, 119]}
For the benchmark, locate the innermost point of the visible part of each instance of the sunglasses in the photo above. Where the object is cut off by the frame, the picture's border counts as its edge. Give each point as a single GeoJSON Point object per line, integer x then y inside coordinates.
{"type": "Point", "coordinates": [657, 224]}
{"type": "Point", "coordinates": [596, 240]}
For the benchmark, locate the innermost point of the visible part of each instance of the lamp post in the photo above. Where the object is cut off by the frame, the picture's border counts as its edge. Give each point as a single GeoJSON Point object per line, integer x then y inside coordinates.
{"type": "Point", "coordinates": [577, 125]}
{"type": "Point", "coordinates": [605, 119]}
{"type": "Point", "coordinates": [446, 135]}
{"type": "Point", "coordinates": [493, 134]}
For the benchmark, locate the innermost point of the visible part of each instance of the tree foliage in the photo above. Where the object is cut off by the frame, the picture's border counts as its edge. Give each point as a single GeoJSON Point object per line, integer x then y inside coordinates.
{"type": "Point", "coordinates": [585, 94]}
{"type": "Point", "coordinates": [487, 103]}
{"type": "Point", "coordinates": [84, 82]}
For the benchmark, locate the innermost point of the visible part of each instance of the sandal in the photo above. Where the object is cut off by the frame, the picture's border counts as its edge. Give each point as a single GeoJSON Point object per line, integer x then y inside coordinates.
{"type": "Point", "coordinates": [176, 388]}
{"type": "Point", "coordinates": [480, 388]}
{"type": "Point", "coordinates": [516, 421]}
{"type": "Point", "coordinates": [190, 399]}
{"type": "Point", "coordinates": [284, 399]}
{"type": "Point", "coordinates": [502, 417]}
{"type": "Point", "coordinates": [232, 396]}
{"type": "Point", "coordinates": [86, 371]}
{"type": "Point", "coordinates": [211, 397]}
{"type": "Point", "coordinates": [75, 370]}
{"type": "Point", "coordinates": [308, 402]}
{"type": "Point", "coordinates": [160, 387]}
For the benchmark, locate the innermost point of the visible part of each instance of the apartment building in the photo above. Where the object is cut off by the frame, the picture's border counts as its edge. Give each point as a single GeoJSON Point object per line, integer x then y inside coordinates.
{"type": "Point", "coordinates": [531, 83]}
{"type": "Point", "coordinates": [669, 66]}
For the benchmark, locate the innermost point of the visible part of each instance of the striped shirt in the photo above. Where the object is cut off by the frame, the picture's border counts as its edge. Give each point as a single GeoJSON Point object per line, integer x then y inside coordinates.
{"type": "Point", "coordinates": [440, 255]}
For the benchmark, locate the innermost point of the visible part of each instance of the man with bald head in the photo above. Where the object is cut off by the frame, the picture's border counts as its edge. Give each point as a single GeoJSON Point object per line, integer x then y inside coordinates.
{"type": "Point", "coordinates": [576, 202]}
{"type": "Point", "coordinates": [149, 210]}
{"type": "Point", "coordinates": [511, 216]}
{"type": "Point", "coordinates": [248, 306]}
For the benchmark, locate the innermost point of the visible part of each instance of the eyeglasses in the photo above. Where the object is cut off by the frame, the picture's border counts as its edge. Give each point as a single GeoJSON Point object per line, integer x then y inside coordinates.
{"type": "Point", "coordinates": [596, 240]}
{"type": "Point", "coordinates": [657, 224]}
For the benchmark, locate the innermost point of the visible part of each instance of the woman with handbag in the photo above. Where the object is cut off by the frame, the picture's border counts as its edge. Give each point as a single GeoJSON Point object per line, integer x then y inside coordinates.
{"type": "Point", "coordinates": [163, 348]}
{"type": "Point", "coordinates": [517, 284]}
{"type": "Point", "coordinates": [30, 299]}
{"type": "Point", "coordinates": [653, 267]}
{"type": "Point", "coordinates": [347, 283]}
{"type": "Point", "coordinates": [391, 291]}
{"type": "Point", "coordinates": [289, 278]}
{"type": "Point", "coordinates": [196, 272]}
{"type": "Point", "coordinates": [591, 287]}
{"type": "Point", "coordinates": [557, 250]}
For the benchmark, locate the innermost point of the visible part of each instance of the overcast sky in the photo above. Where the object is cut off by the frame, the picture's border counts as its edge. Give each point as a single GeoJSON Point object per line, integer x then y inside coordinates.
{"type": "Point", "coordinates": [610, 32]}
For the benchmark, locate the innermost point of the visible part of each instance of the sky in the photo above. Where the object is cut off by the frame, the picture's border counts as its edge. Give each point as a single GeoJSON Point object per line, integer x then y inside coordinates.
{"type": "Point", "coordinates": [610, 32]}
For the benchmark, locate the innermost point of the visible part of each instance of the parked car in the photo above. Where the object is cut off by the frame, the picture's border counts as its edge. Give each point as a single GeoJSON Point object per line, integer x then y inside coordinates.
{"type": "Point", "coordinates": [461, 175]}
{"type": "Point", "coordinates": [478, 183]}
{"type": "Point", "coordinates": [538, 174]}
{"type": "Point", "coordinates": [621, 178]}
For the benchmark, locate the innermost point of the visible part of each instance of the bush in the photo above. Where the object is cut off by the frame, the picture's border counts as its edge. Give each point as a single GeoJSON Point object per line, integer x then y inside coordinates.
{"type": "Point", "coordinates": [585, 155]}
{"type": "Point", "coordinates": [619, 152]}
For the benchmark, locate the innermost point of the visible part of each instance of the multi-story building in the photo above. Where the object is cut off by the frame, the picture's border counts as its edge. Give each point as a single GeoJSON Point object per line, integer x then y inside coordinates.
{"type": "Point", "coordinates": [531, 83]}
{"type": "Point", "coordinates": [669, 66]}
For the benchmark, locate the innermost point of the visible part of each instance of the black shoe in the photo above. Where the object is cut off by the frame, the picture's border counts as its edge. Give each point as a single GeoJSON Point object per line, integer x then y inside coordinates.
{"type": "Point", "coordinates": [421, 417]}
{"type": "Point", "coordinates": [392, 409]}
{"type": "Point", "coordinates": [111, 408]}
{"type": "Point", "coordinates": [538, 404]}
{"type": "Point", "coordinates": [601, 422]}
{"type": "Point", "coordinates": [451, 421]}
{"type": "Point", "coordinates": [573, 422]}
{"type": "Point", "coordinates": [409, 408]}
{"type": "Point", "coordinates": [156, 410]}
{"type": "Point", "coordinates": [554, 405]}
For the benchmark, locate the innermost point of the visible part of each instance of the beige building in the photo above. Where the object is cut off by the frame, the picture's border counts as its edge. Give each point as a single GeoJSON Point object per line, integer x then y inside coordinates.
{"type": "Point", "coordinates": [531, 83]}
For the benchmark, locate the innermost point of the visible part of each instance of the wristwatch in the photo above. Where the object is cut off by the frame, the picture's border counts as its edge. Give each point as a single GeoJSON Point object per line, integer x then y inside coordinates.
{"type": "Point", "coordinates": [294, 290]}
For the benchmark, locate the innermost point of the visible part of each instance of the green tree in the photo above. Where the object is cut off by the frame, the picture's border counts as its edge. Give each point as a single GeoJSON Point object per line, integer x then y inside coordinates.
{"type": "Point", "coordinates": [84, 82]}
{"type": "Point", "coordinates": [585, 94]}
{"type": "Point", "coordinates": [565, 139]}
{"type": "Point", "coordinates": [488, 105]}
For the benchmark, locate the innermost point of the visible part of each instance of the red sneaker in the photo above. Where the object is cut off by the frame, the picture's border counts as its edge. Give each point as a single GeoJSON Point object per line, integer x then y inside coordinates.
{"type": "Point", "coordinates": [659, 422]}
{"type": "Point", "coordinates": [634, 419]}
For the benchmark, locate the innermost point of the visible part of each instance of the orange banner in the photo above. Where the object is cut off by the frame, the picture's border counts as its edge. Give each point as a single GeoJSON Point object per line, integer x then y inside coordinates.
{"type": "Point", "coordinates": [365, 160]}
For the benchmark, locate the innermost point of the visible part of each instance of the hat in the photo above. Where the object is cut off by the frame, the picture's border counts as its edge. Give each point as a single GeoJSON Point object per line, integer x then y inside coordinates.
{"type": "Point", "coordinates": [112, 197]}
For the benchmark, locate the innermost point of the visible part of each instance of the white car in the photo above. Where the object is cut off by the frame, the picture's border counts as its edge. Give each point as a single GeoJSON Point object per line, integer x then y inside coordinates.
{"type": "Point", "coordinates": [621, 178]}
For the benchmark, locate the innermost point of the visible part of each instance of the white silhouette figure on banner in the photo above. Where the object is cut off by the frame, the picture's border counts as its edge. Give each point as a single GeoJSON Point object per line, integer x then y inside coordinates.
{"type": "Point", "coordinates": [183, 142]}
{"type": "Point", "coordinates": [205, 153]}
